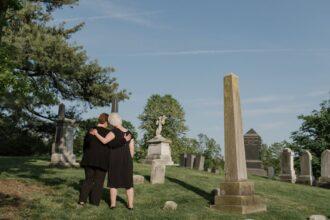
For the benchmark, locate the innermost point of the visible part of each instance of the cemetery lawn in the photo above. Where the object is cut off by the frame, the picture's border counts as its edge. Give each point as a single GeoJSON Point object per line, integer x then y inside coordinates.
{"type": "Point", "coordinates": [30, 189]}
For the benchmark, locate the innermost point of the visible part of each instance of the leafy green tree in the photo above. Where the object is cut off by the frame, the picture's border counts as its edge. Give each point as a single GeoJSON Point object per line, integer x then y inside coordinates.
{"type": "Point", "coordinates": [314, 135]}
{"type": "Point", "coordinates": [270, 155]}
{"type": "Point", "coordinates": [210, 149]}
{"type": "Point", "coordinates": [174, 127]}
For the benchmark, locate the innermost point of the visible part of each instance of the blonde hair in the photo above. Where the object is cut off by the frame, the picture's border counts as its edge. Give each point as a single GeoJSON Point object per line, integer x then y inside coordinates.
{"type": "Point", "coordinates": [115, 119]}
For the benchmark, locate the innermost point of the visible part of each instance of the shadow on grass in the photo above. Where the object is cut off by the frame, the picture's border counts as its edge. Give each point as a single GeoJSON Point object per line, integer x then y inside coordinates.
{"type": "Point", "coordinates": [26, 167]}
{"type": "Point", "coordinates": [192, 188]}
{"type": "Point", "coordinates": [10, 200]}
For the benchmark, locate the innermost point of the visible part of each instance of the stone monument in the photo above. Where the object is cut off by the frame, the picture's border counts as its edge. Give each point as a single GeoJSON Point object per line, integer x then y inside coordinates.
{"type": "Point", "coordinates": [199, 162]}
{"type": "Point", "coordinates": [62, 148]}
{"type": "Point", "coordinates": [190, 161]}
{"type": "Point", "coordinates": [252, 143]}
{"type": "Point", "coordinates": [288, 173]}
{"type": "Point", "coordinates": [159, 147]}
{"type": "Point", "coordinates": [183, 160]}
{"type": "Point", "coordinates": [237, 193]}
{"type": "Point", "coordinates": [270, 172]}
{"type": "Point", "coordinates": [325, 169]}
{"type": "Point", "coordinates": [306, 173]}
{"type": "Point", "coordinates": [157, 175]}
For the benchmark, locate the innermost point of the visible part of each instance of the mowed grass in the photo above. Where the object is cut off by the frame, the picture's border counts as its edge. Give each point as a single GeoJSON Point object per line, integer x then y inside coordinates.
{"type": "Point", "coordinates": [55, 193]}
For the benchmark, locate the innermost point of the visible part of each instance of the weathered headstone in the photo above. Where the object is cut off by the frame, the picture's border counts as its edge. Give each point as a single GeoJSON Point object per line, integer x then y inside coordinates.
{"type": "Point", "coordinates": [170, 206]}
{"type": "Point", "coordinates": [288, 173]}
{"type": "Point", "coordinates": [190, 161]}
{"type": "Point", "coordinates": [159, 147]}
{"type": "Point", "coordinates": [237, 194]}
{"type": "Point", "coordinates": [252, 143]}
{"type": "Point", "coordinates": [62, 148]}
{"type": "Point", "coordinates": [325, 168]}
{"type": "Point", "coordinates": [270, 172]}
{"type": "Point", "coordinates": [215, 170]}
{"type": "Point", "coordinates": [183, 159]}
{"type": "Point", "coordinates": [138, 179]}
{"type": "Point", "coordinates": [209, 170]}
{"type": "Point", "coordinates": [199, 162]}
{"type": "Point", "coordinates": [317, 217]}
{"type": "Point", "coordinates": [157, 175]}
{"type": "Point", "coordinates": [306, 173]}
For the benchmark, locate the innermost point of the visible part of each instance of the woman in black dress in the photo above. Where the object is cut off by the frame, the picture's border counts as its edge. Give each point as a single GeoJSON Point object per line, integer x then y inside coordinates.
{"type": "Point", "coordinates": [120, 173]}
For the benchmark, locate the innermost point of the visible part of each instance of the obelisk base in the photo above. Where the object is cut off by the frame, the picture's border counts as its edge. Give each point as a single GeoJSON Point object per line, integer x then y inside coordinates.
{"type": "Point", "coordinates": [238, 197]}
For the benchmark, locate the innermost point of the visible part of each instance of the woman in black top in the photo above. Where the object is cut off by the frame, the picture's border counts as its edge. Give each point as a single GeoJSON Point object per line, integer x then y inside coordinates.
{"type": "Point", "coordinates": [121, 163]}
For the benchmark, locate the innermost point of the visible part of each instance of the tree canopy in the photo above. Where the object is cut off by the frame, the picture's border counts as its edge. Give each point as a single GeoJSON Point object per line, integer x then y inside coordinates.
{"type": "Point", "coordinates": [40, 68]}
{"type": "Point", "coordinates": [174, 128]}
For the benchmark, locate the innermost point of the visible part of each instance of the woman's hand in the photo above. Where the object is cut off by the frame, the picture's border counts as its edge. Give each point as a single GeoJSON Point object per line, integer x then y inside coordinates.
{"type": "Point", "coordinates": [93, 132]}
{"type": "Point", "coordinates": [128, 137]}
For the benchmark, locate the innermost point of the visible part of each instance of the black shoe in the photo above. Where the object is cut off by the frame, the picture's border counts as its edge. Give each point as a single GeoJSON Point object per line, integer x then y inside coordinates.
{"type": "Point", "coordinates": [112, 207]}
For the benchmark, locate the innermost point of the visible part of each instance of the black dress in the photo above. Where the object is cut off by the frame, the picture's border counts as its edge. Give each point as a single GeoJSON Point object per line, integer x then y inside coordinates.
{"type": "Point", "coordinates": [120, 173]}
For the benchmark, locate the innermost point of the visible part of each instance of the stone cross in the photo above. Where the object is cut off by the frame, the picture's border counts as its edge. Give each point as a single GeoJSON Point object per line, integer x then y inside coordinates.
{"type": "Point", "coordinates": [160, 122]}
{"type": "Point", "coordinates": [235, 190]}
{"type": "Point", "coordinates": [288, 173]}
{"type": "Point", "coordinates": [62, 148]}
{"type": "Point", "coordinates": [325, 168]}
{"type": "Point", "coordinates": [306, 173]}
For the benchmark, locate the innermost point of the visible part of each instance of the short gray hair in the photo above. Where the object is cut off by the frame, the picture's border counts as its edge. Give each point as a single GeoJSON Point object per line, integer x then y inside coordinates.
{"type": "Point", "coordinates": [115, 119]}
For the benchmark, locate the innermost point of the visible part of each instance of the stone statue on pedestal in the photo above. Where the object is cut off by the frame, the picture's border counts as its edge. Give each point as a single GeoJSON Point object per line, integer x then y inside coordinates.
{"type": "Point", "coordinates": [159, 147]}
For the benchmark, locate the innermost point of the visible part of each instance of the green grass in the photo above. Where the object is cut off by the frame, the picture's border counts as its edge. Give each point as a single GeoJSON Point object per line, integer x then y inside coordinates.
{"type": "Point", "coordinates": [58, 189]}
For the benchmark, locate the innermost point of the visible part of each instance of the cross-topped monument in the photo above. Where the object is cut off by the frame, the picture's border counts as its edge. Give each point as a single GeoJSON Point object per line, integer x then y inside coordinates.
{"type": "Point", "coordinates": [62, 148]}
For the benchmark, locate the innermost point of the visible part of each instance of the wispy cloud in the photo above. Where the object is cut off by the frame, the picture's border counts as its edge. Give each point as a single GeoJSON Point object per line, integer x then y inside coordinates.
{"type": "Point", "coordinates": [226, 51]}
{"type": "Point", "coordinates": [112, 10]}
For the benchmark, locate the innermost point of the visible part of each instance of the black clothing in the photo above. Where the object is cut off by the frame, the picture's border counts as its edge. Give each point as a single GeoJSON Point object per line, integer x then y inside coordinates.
{"type": "Point", "coordinates": [95, 153]}
{"type": "Point", "coordinates": [92, 186]}
{"type": "Point", "coordinates": [120, 173]}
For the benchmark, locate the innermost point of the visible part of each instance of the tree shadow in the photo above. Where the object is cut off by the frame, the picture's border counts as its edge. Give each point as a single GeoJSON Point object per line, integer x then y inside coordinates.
{"type": "Point", "coordinates": [7, 200]}
{"type": "Point", "coordinates": [192, 188]}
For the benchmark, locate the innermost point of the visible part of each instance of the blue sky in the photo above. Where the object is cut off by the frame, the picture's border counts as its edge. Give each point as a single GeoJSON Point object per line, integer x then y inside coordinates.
{"type": "Point", "coordinates": [279, 49]}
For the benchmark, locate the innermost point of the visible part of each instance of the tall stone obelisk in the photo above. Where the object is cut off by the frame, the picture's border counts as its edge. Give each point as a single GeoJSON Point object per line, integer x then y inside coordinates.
{"type": "Point", "coordinates": [236, 193]}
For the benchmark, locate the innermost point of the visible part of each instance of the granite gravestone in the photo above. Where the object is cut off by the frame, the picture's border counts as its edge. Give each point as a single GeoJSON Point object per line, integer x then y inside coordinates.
{"type": "Point", "coordinates": [325, 169]}
{"type": "Point", "coordinates": [183, 160]}
{"type": "Point", "coordinates": [157, 175]}
{"type": "Point", "coordinates": [270, 172]}
{"type": "Point", "coordinates": [252, 143]}
{"type": "Point", "coordinates": [288, 173]}
{"type": "Point", "coordinates": [306, 173]}
{"type": "Point", "coordinates": [237, 193]}
{"type": "Point", "coordinates": [190, 161]}
{"type": "Point", "coordinates": [199, 162]}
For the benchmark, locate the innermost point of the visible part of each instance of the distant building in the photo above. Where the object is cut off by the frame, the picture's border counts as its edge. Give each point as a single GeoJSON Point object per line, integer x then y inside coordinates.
{"type": "Point", "coordinates": [252, 142]}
